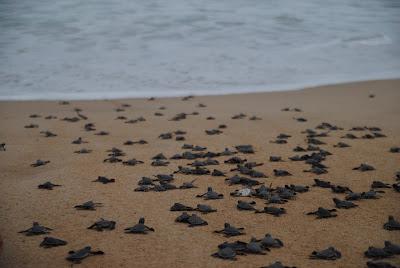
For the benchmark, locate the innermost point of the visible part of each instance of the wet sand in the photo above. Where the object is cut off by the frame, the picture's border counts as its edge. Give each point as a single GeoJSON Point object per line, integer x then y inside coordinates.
{"type": "Point", "coordinates": [174, 244]}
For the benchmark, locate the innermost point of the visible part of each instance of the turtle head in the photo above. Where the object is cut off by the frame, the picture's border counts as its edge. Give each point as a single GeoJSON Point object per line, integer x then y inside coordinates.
{"type": "Point", "coordinates": [141, 220]}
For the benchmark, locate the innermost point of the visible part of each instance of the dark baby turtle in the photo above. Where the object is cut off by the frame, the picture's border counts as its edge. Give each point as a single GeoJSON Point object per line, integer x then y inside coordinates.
{"type": "Point", "coordinates": [344, 203]}
{"type": "Point", "coordinates": [392, 248]}
{"type": "Point", "coordinates": [380, 264]}
{"type": "Point", "coordinates": [323, 213]}
{"type": "Point", "coordinates": [112, 159]}
{"type": "Point", "coordinates": [36, 229]}
{"type": "Point", "coordinates": [353, 196]}
{"type": "Point", "coordinates": [48, 185]}
{"type": "Point", "coordinates": [49, 242]}
{"type": "Point", "coordinates": [89, 205]}
{"type": "Point", "coordinates": [132, 162]}
{"type": "Point", "coordinates": [31, 126]}
{"type": "Point", "coordinates": [104, 180]}
{"type": "Point", "coordinates": [159, 163]}
{"type": "Point", "coordinates": [391, 224]}
{"type": "Point", "coordinates": [79, 255]}
{"type": "Point", "coordinates": [245, 149]}
{"type": "Point", "coordinates": [39, 163]}
{"type": "Point", "coordinates": [255, 247]}
{"type": "Point", "coordinates": [341, 145]}
{"type": "Point", "coordinates": [297, 188]}
{"type": "Point", "coordinates": [377, 253]}
{"type": "Point", "coordinates": [243, 205]}
{"type": "Point", "coordinates": [180, 207]}
{"type": "Point", "coordinates": [270, 242]}
{"type": "Point", "coordinates": [327, 254]}
{"type": "Point", "coordinates": [379, 184]}
{"type": "Point", "coordinates": [396, 187]}
{"type": "Point", "coordinates": [145, 181]}
{"type": "Point", "coordinates": [139, 228]}
{"type": "Point", "coordinates": [275, 158]}
{"type": "Point", "coordinates": [225, 253]}
{"type": "Point", "coordinates": [102, 133]}
{"type": "Point", "coordinates": [183, 217]}
{"type": "Point", "coordinates": [205, 208]}
{"type": "Point", "coordinates": [48, 134]}
{"type": "Point", "coordinates": [213, 132]}
{"type": "Point", "coordinates": [230, 230]}
{"type": "Point", "coordinates": [340, 189]}
{"type": "Point", "coordinates": [322, 183]}
{"type": "Point", "coordinates": [275, 199]}
{"type": "Point", "coordinates": [188, 185]}
{"type": "Point", "coordinates": [371, 194]}
{"type": "Point", "coordinates": [165, 177]}
{"type": "Point", "coordinates": [103, 224]}
{"type": "Point", "coordinates": [281, 173]}
{"type": "Point", "coordinates": [364, 167]}
{"type": "Point", "coordinates": [277, 264]}
{"type": "Point", "coordinates": [210, 194]}
{"type": "Point", "coordinates": [195, 220]}
{"type": "Point", "coordinates": [273, 211]}
{"type": "Point", "coordinates": [78, 141]}
{"type": "Point", "coordinates": [394, 149]}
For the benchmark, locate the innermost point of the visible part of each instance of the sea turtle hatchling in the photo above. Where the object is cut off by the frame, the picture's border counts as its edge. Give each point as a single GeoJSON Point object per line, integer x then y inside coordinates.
{"type": "Point", "coordinates": [36, 229]}
{"type": "Point", "coordinates": [77, 256]}
{"type": "Point", "coordinates": [205, 208]}
{"type": "Point", "coordinates": [210, 195]}
{"type": "Point", "coordinates": [272, 210]}
{"type": "Point", "coordinates": [364, 167]}
{"type": "Point", "coordinates": [380, 184]}
{"type": "Point", "coordinates": [180, 207]}
{"type": "Point", "coordinates": [322, 183]}
{"type": "Point", "coordinates": [277, 264]}
{"type": "Point", "coordinates": [195, 220]}
{"type": "Point", "coordinates": [380, 264]}
{"type": "Point", "coordinates": [104, 180]}
{"type": "Point", "coordinates": [49, 242]}
{"type": "Point", "coordinates": [255, 247]}
{"type": "Point", "coordinates": [188, 185]}
{"type": "Point", "coordinates": [132, 162]}
{"type": "Point", "coordinates": [230, 230]}
{"type": "Point", "coordinates": [268, 241]}
{"type": "Point", "coordinates": [344, 203]}
{"type": "Point", "coordinates": [281, 173]}
{"type": "Point", "coordinates": [39, 163]}
{"type": "Point", "coordinates": [391, 224]}
{"type": "Point", "coordinates": [48, 185]}
{"type": "Point", "coordinates": [103, 224]}
{"type": "Point", "coordinates": [225, 253]}
{"type": "Point", "coordinates": [323, 213]}
{"type": "Point", "coordinates": [392, 248]}
{"type": "Point", "coordinates": [327, 254]}
{"type": "Point", "coordinates": [377, 253]}
{"type": "Point", "coordinates": [139, 228]}
{"type": "Point", "coordinates": [89, 205]}
{"type": "Point", "coordinates": [243, 205]}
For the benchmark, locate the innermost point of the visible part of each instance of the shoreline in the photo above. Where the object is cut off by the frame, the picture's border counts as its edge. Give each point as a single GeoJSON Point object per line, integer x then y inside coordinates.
{"type": "Point", "coordinates": [175, 244]}
{"type": "Point", "coordinates": [119, 95]}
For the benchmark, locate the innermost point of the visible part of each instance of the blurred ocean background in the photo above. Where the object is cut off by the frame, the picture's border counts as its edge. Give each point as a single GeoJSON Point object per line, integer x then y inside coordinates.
{"type": "Point", "coordinates": [93, 49]}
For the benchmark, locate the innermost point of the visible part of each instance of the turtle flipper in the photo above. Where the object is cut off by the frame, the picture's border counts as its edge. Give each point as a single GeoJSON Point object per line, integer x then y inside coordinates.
{"type": "Point", "coordinates": [98, 252]}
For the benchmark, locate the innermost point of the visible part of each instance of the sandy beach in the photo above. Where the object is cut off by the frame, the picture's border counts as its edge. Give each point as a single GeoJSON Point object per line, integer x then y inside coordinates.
{"type": "Point", "coordinates": [175, 244]}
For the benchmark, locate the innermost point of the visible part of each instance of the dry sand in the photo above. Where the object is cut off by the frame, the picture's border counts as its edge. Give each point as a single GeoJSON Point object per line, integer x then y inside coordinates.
{"type": "Point", "coordinates": [174, 244]}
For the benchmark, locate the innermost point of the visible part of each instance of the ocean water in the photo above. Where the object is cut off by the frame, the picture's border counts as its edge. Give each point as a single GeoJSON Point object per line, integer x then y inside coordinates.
{"type": "Point", "coordinates": [91, 49]}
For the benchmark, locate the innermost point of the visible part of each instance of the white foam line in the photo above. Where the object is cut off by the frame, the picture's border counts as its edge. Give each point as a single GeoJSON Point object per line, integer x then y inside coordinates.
{"type": "Point", "coordinates": [180, 93]}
